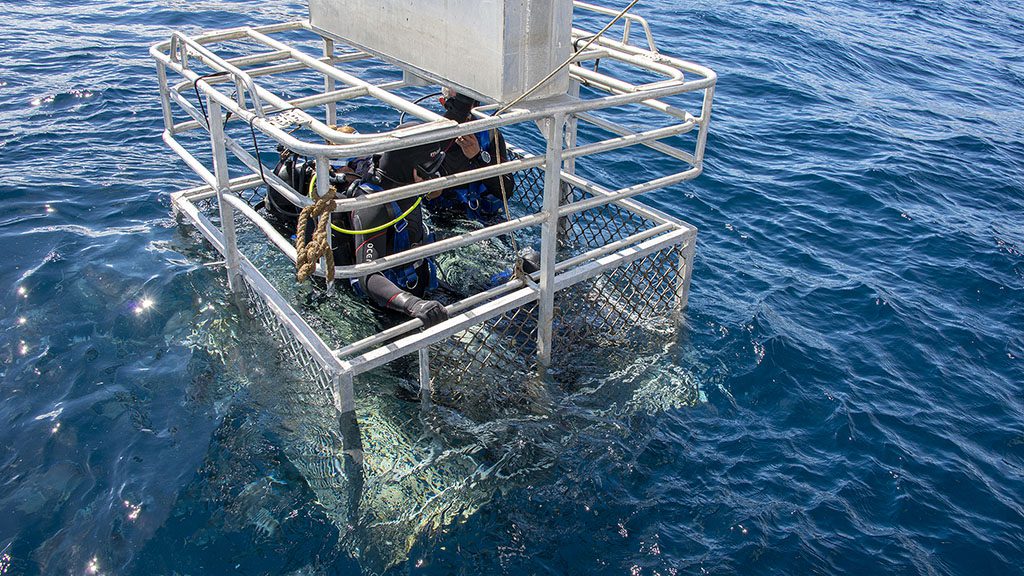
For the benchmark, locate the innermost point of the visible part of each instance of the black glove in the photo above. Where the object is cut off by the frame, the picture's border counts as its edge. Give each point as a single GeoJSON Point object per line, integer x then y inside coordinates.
{"type": "Point", "coordinates": [531, 260]}
{"type": "Point", "coordinates": [431, 312]}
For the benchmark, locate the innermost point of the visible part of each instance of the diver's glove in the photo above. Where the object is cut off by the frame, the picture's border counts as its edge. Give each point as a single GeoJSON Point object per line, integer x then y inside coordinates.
{"type": "Point", "coordinates": [429, 311]}
{"type": "Point", "coordinates": [531, 259]}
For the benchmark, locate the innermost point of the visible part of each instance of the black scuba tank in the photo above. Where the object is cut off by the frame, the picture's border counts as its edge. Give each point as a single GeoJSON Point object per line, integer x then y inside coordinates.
{"type": "Point", "coordinates": [297, 173]}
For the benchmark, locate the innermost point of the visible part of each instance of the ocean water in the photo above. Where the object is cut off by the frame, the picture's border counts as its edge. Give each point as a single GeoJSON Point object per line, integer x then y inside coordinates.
{"type": "Point", "coordinates": [846, 396]}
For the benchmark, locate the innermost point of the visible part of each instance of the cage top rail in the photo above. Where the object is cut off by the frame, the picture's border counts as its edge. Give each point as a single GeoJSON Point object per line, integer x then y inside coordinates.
{"type": "Point", "coordinates": [174, 54]}
{"type": "Point", "coordinates": [627, 18]}
{"type": "Point", "coordinates": [275, 116]}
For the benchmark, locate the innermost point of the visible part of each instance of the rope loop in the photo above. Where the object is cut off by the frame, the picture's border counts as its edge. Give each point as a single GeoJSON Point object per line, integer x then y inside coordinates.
{"type": "Point", "coordinates": [307, 254]}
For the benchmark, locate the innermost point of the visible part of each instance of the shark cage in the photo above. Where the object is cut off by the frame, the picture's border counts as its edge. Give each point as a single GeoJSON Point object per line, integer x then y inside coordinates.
{"type": "Point", "coordinates": [608, 262]}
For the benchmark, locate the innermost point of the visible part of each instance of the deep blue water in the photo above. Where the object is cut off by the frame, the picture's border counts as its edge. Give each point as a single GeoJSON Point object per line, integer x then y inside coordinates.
{"type": "Point", "coordinates": [854, 329]}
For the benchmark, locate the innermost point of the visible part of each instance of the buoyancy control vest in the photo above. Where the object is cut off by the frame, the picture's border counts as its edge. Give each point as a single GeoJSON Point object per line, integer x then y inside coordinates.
{"type": "Point", "coordinates": [405, 233]}
{"type": "Point", "coordinates": [473, 197]}
{"type": "Point", "coordinates": [349, 245]}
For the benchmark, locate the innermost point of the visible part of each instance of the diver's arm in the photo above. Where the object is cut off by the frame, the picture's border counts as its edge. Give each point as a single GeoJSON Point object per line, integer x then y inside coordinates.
{"type": "Point", "coordinates": [471, 157]}
{"type": "Point", "coordinates": [384, 292]}
{"type": "Point", "coordinates": [387, 295]}
{"type": "Point", "coordinates": [497, 149]}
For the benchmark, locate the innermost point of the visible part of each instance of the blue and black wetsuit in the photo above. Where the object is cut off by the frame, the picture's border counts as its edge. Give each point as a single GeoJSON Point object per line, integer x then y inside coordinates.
{"type": "Point", "coordinates": [482, 199]}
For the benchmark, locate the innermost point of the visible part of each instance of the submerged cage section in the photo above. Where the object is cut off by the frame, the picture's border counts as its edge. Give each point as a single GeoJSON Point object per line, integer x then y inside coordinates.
{"type": "Point", "coordinates": [646, 294]}
{"type": "Point", "coordinates": [609, 264]}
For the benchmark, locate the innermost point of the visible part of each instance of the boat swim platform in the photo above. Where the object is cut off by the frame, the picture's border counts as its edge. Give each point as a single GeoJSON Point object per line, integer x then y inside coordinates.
{"type": "Point", "coordinates": [609, 263]}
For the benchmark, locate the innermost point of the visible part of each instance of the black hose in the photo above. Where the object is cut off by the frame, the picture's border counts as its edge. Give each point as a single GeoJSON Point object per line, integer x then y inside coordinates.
{"type": "Point", "coordinates": [401, 117]}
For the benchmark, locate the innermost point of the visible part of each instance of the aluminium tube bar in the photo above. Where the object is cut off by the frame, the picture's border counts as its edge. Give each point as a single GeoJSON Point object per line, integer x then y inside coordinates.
{"type": "Point", "coordinates": [384, 354]}
{"type": "Point", "coordinates": [434, 248]}
{"type": "Point", "coordinates": [628, 19]}
{"type": "Point", "coordinates": [449, 181]}
{"type": "Point", "coordinates": [396, 141]}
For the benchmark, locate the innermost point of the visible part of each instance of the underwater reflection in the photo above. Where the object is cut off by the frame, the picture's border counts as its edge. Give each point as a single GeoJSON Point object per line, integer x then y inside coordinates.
{"type": "Point", "coordinates": [282, 465]}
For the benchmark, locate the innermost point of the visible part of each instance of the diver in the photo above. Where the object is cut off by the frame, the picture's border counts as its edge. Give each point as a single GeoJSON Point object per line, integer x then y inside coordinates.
{"type": "Point", "coordinates": [298, 172]}
{"type": "Point", "coordinates": [478, 200]}
{"type": "Point", "coordinates": [400, 288]}
{"type": "Point", "coordinates": [483, 265]}
{"type": "Point", "coordinates": [371, 233]}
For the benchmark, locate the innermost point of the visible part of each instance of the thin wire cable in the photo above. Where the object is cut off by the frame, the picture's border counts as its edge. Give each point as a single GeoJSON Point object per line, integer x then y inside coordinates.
{"type": "Point", "coordinates": [401, 117]}
{"type": "Point", "coordinates": [199, 99]}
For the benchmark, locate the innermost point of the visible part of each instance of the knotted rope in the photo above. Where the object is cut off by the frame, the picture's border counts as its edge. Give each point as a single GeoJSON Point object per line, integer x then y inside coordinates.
{"type": "Point", "coordinates": [307, 254]}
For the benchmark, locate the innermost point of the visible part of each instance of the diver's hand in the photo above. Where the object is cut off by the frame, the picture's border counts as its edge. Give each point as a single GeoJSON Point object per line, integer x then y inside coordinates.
{"type": "Point", "coordinates": [469, 144]}
{"type": "Point", "coordinates": [431, 312]}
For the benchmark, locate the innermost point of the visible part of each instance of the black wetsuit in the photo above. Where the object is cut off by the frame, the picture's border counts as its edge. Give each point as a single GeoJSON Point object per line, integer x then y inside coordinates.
{"type": "Point", "coordinates": [478, 199]}
{"type": "Point", "coordinates": [395, 169]}
{"type": "Point", "coordinates": [455, 162]}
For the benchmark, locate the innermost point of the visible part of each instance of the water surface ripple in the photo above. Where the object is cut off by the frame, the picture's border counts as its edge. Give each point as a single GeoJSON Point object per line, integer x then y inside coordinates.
{"type": "Point", "coordinates": [846, 397]}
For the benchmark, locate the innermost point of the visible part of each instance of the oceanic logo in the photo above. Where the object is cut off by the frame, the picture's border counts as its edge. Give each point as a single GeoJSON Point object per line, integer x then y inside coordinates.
{"type": "Point", "coordinates": [370, 255]}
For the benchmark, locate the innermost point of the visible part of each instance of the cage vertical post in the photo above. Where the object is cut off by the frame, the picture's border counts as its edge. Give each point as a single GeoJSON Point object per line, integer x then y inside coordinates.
{"type": "Point", "coordinates": [332, 106]}
{"type": "Point", "coordinates": [705, 119]}
{"type": "Point", "coordinates": [683, 275]}
{"type": "Point", "coordinates": [344, 392]}
{"type": "Point", "coordinates": [323, 184]}
{"type": "Point", "coordinates": [424, 360]}
{"type": "Point", "coordinates": [165, 102]}
{"type": "Point", "coordinates": [220, 172]}
{"type": "Point", "coordinates": [572, 128]}
{"type": "Point", "coordinates": [549, 237]}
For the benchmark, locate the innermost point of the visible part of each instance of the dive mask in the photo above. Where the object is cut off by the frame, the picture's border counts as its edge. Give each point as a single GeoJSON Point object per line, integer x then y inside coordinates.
{"type": "Point", "coordinates": [430, 169]}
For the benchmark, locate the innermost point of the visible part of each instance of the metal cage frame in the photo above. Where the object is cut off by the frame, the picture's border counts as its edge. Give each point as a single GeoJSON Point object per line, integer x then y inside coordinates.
{"type": "Point", "coordinates": [607, 263]}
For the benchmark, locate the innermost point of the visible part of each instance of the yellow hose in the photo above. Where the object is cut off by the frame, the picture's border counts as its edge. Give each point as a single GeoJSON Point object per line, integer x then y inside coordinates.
{"type": "Point", "coordinates": [312, 183]}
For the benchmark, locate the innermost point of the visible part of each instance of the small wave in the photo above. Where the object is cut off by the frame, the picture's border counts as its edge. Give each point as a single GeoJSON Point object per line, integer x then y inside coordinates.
{"type": "Point", "coordinates": [72, 97]}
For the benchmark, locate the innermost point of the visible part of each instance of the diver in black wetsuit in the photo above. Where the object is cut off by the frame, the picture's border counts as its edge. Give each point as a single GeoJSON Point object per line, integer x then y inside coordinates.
{"type": "Point", "coordinates": [372, 233]}
{"type": "Point", "coordinates": [400, 288]}
{"type": "Point", "coordinates": [478, 200]}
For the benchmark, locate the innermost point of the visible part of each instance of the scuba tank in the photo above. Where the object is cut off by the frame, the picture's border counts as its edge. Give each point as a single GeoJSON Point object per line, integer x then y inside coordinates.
{"type": "Point", "coordinates": [298, 172]}
{"type": "Point", "coordinates": [376, 231]}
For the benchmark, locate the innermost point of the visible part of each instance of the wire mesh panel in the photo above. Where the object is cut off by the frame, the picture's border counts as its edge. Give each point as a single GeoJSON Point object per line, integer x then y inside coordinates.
{"type": "Point", "coordinates": [600, 226]}
{"type": "Point", "coordinates": [289, 346]}
{"type": "Point", "coordinates": [502, 348]}
{"type": "Point", "coordinates": [529, 186]}
{"type": "Point", "coordinates": [641, 295]}
{"type": "Point", "coordinates": [608, 309]}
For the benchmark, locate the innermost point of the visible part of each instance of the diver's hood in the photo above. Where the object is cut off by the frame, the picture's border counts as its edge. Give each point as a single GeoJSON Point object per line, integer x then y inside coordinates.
{"type": "Point", "coordinates": [458, 107]}
{"type": "Point", "coordinates": [396, 167]}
